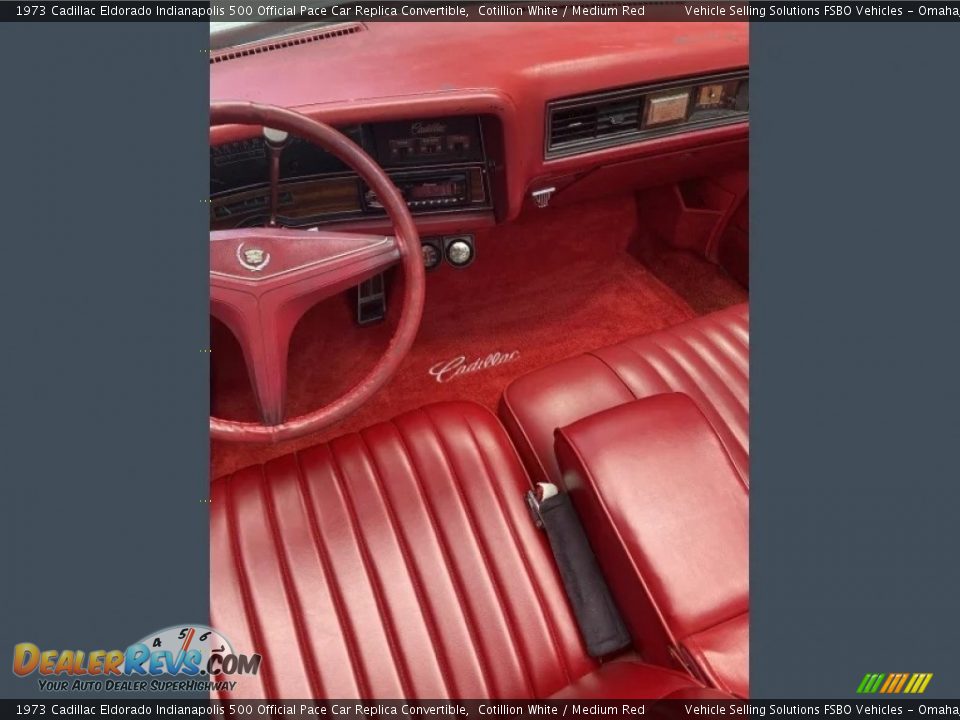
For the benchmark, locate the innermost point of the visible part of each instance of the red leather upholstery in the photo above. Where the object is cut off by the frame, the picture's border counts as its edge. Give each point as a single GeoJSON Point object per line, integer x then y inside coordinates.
{"type": "Point", "coordinates": [666, 510]}
{"type": "Point", "coordinates": [629, 679]}
{"type": "Point", "coordinates": [396, 562]}
{"type": "Point", "coordinates": [706, 358]}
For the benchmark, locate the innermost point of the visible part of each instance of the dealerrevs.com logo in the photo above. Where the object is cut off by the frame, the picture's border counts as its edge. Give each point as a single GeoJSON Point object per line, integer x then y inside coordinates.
{"type": "Point", "coordinates": [177, 658]}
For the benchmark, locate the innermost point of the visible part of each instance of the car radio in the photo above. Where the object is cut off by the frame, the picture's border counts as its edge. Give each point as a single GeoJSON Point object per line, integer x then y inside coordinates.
{"type": "Point", "coordinates": [436, 190]}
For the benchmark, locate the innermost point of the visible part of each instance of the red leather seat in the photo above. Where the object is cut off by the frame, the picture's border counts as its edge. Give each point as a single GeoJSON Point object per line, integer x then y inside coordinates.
{"type": "Point", "coordinates": [401, 562]}
{"type": "Point", "coordinates": [666, 513]}
{"type": "Point", "coordinates": [662, 491]}
{"type": "Point", "coordinates": [705, 358]}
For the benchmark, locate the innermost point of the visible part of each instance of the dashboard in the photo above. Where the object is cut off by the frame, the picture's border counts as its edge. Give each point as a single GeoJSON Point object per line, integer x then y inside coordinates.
{"type": "Point", "coordinates": [438, 163]}
{"type": "Point", "coordinates": [540, 114]}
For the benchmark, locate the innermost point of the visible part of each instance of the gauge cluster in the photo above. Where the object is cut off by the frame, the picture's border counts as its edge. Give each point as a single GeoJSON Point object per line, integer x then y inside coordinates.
{"type": "Point", "coordinates": [245, 164]}
{"type": "Point", "coordinates": [438, 164]}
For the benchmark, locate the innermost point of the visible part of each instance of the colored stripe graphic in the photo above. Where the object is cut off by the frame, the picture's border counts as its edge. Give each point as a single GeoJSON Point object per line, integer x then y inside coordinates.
{"type": "Point", "coordinates": [894, 683]}
{"type": "Point", "coordinates": [870, 683]}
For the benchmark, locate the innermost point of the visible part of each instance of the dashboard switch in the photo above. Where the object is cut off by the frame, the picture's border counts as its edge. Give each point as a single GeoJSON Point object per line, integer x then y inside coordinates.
{"type": "Point", "coordinates": [459, 250]}
{"type": "Point", "coordinates": [432, 255]}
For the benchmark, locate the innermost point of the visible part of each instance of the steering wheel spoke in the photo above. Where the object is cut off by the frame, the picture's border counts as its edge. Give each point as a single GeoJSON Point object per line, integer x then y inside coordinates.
{"type": "Point", "coordinates": [262, 281]}
{"type": "Point", "coordinates": [293, 263]}
{"type": "Point", "coordinates": [264, 336]}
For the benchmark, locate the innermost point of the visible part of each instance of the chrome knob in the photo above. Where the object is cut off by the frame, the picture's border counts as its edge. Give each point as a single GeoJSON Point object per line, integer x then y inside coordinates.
{"type": "Point", "coordinates": [431, 255]}
{"type": "Point", "coordinates": [459, 253]}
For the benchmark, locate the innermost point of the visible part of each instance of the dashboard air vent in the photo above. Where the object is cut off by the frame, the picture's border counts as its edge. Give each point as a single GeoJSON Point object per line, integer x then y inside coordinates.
{"type": "Point", "coordinates": [290, 41]}
{"type": "Point", "coordinates": [590, 122]}
{"type": "Point", "coordinates": [618, 117]}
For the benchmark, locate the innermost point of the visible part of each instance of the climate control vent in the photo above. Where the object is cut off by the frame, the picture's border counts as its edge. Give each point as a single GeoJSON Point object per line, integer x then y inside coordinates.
{"type": "Point", "coordinates": [290, 41]}
{"type": "Point", "coordinates": [591, 122]}
{"type": "Point", "coordinates": [619, 117]}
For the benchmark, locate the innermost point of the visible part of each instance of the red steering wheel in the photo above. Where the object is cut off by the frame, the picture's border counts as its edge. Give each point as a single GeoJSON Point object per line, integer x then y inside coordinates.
{"type": "Point", "coordinates": [262, 281]}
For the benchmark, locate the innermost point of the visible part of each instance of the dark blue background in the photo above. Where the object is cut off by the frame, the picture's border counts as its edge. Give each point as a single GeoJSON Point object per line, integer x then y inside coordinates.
{"type": "Point", "coordinates": [104, 393]}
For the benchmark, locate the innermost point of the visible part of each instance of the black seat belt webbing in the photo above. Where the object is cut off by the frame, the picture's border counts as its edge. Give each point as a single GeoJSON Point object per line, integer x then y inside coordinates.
{"type": "Point", "coordinates": [601, 626]}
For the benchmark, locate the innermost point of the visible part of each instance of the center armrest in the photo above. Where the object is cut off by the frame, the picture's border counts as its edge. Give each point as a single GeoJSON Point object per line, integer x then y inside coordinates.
{"type": "Point", "coordinates": [666, 511]}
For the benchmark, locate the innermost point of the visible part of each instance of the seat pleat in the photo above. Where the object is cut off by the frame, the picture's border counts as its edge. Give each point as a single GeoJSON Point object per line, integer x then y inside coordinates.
{"type": "Point", "coordinates": [720, 377]}
{"type": "Point", "coordinates": [353, 682]}
{"type": "Point", "coordinates": [706, 358]}
{"type": "Point", "coordinates": [444, 585]}
{"type": "Point", "coordinates": [503, 509]}
{"type": "Point", "coordinates": [640, 378]}
{"type": "Point", "coordinates": [464, 461]}
{"type": "Point", "coordinates": [675, 376]}
{"type": "Point", "coordinates": [495, 642]}
{"type": "Point", "coordinates": [728, 349]}
{"type": "Point", "coordinates": [294, 602]}
{"type": "Point", "coordinates": [725, 404]}
{"type": "Point", "coordinates": [701, 374]}
{"type": "Point", "coordinates": [323, 639]}
{"type": "Point", "coordinates": [739, 326]}
{"type": "Point", "coordinates": [548, 628]}
{"type": "Point", "coordinates": [337, 534]}
{"type": "Point", "coordinates": [257, 558]}
{"type": "Point", "coordinates": [399, 562]}
{"type": "Point", "coordinates": [230, 611]}
{"type": "Point", "coordinates": [392, 581]}
{"type": "Point", "coordinates": [717, 360]}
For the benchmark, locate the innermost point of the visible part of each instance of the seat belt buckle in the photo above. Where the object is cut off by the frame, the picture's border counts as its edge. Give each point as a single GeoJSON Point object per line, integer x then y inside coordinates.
{"type": "Point", "coordinates": [543, 491]}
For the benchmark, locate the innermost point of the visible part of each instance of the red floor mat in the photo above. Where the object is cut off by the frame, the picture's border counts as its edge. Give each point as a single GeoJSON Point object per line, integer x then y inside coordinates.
{"type": "Point", "coordinates": [706, 287]}
{"type": "Point", "coordinates": [553, 284]}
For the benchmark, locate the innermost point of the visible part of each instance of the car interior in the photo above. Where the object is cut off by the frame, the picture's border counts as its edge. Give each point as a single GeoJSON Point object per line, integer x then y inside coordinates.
{"type": "Point", "coordinates": [480, 359]}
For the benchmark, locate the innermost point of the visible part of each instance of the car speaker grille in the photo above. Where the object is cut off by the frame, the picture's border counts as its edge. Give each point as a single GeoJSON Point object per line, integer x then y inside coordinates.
{"type": "Point", "coordinates": [291, 41]}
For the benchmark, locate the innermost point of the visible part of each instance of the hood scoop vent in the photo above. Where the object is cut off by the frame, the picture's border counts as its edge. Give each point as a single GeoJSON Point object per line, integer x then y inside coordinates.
{"type": "Point", "coordinates": [258, 48]}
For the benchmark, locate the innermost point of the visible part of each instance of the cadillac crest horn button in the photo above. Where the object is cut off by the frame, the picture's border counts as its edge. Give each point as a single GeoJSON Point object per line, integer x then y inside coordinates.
{"type": "Point", "coordinates": [253, 258]}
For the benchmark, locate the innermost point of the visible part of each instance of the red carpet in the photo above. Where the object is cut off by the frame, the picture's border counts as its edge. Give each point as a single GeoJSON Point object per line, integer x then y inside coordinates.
{"type": "Point", "coordinates": [706, 287]}
{"type": "Point", "coordinates": [554, 284]}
